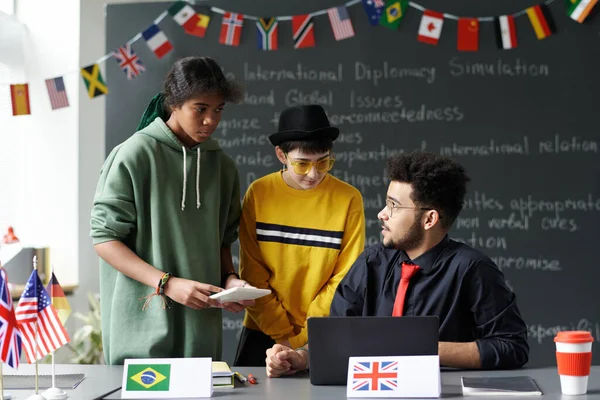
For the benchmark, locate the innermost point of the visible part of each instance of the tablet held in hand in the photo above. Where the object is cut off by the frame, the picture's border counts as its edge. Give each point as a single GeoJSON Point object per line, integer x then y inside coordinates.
{"type": "Point", "coordinates": [239, 294]}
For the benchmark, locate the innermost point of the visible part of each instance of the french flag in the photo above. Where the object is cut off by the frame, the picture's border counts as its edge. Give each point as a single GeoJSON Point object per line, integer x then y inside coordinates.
{"type": "Point", "coordinates": [157, 41]}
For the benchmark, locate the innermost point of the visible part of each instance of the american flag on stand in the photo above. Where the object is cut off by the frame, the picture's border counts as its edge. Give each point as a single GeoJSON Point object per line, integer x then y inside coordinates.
{"type": "Point", "coordinates": [10, 337]}
{"type": "Point", "coordinates": [375, 376]}
{"type": "Point", "coordinates": [340, 23]}
{"type": "Point", "coordinates": [129, 61]}
{"type": "Point", "coordinates": [37, 317]}
{"type": "Point", "coordinates": [57, 93]}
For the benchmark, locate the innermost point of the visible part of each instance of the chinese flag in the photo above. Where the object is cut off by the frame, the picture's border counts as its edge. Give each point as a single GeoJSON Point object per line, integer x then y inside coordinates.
{"type": "Point", "coordinates": [468, 34]}
{"type": "Point", "coordinates": [19, 95]}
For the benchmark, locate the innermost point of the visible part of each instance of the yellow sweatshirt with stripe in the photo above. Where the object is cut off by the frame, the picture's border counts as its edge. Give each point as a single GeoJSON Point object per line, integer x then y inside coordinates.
{"type": "Point", "coordinates": [300, 244]}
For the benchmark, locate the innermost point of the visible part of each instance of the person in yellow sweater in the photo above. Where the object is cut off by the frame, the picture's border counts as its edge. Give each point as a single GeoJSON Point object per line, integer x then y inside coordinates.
{"type": "Point", "coordinates": [301, 230]}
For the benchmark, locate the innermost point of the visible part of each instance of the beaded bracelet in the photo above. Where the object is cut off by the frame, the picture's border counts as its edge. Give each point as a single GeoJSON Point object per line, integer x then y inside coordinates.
{"type": "Point", "coordinates": [160, 291]}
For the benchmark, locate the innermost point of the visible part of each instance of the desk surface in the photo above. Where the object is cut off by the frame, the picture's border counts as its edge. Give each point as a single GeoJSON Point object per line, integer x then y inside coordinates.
{"type": "Point", "coordinates": [98, 382]}
{"type": "Point", "coordinates": [101, 380]}
{"type": "Point", "coordinates": [299, 387]}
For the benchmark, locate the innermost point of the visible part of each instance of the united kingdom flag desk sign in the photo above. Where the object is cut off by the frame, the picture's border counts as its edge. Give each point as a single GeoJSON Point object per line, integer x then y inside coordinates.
{"type": "Point", "coordinates": [394, 377]}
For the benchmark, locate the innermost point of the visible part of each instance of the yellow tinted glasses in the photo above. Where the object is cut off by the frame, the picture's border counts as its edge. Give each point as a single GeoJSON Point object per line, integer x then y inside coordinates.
{"type": "Point", "coordinates": [303, 167]}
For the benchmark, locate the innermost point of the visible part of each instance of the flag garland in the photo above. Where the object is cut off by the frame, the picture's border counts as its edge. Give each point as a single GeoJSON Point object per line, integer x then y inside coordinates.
{"type": "Point", "coordinates": [387, 13]}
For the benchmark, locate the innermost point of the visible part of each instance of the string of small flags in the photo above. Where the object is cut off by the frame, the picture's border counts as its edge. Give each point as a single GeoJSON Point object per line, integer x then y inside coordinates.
{"type": "Point", "coordinates": [387, 13]}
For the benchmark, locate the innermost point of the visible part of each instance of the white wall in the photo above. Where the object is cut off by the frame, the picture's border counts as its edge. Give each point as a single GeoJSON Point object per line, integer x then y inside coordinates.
{"type": "Point", "coordinates": [49, 138]}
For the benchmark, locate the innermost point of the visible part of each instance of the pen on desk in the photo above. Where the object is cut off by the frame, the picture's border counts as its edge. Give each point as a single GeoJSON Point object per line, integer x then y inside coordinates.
{"type": "Point", "coordinates": [240, 377]}
{"type": "Point", "coordinates": [251, 379]}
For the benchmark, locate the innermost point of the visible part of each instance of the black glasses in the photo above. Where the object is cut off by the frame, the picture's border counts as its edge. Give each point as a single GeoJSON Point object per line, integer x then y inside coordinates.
{"type": "Point", "coordinates": [391, 206]}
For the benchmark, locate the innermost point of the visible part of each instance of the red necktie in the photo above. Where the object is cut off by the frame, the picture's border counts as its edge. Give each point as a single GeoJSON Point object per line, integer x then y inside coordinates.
{"type": "Point", "coordinates": [408, 270]}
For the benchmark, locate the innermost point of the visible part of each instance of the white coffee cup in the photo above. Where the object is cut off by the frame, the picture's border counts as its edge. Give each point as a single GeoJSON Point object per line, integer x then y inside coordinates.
{"type": "Point", "coordinates": [574, 360]}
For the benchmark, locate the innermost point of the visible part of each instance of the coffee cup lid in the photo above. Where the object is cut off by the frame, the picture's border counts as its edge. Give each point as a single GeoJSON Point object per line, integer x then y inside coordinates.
{"type": "Point", "coordinates": [574, 337]}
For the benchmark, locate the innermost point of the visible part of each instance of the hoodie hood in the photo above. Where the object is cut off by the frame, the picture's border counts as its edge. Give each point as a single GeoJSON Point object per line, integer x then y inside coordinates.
{"type": "Point", "coordinates": [166, 136]}
{"type": "Point", "coordinates": [159, 131]}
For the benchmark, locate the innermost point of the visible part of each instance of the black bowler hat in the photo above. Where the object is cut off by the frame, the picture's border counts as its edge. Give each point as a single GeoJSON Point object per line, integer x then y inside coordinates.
{"type": "Point", "coordinates": [303, 123]}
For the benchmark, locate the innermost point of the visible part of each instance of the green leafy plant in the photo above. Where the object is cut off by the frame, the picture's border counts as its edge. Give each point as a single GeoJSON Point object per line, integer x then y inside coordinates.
{"type": "Point", "coordinates": [86, 344]}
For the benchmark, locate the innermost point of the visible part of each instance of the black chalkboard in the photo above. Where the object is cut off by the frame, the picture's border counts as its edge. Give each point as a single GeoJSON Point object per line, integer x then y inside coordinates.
{"type": "Point", "coordinates": [521, 121]}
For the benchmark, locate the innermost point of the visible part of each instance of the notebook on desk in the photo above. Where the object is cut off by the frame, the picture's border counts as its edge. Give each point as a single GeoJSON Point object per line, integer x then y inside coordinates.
{"type": "Point", "coordinates": [333, 340]}
{"type": "Point", "coordinates": [222, 375]}
{"type": "Point", "coordinates": [500, 385]}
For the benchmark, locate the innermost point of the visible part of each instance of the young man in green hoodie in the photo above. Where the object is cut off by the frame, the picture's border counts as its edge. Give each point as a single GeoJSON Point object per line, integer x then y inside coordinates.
{"type": "Point", "coordinates": [166, 210]}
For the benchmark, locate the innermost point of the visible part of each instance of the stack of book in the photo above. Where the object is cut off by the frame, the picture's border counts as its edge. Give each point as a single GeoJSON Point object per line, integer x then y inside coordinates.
{"type": "Point", "coordinates": [222, 375]}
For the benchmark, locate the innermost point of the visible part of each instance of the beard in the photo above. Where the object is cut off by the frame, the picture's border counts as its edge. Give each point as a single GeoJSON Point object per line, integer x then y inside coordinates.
{"type": "Point", "coordinates": [410, 241]}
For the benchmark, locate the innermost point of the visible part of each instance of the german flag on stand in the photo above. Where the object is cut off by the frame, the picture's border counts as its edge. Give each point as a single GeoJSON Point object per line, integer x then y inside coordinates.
{"type": "Point", "coordinates": [59, 300]}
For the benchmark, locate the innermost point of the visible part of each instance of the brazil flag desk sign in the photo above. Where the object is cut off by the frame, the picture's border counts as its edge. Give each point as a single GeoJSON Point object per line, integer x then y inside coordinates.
{"type": "Point", "coordinates": [167, 378]}
{"type": "Point", "coordinates": [394, 377]}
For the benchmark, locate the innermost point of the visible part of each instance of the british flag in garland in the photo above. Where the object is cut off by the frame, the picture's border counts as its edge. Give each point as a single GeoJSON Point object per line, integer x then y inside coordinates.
{"type": "Point", "coordinates": [10, 336]}
{"type": "Point", "coordinates": [375, 376]}
{"type": "Point", "coordinates": [129, 62]}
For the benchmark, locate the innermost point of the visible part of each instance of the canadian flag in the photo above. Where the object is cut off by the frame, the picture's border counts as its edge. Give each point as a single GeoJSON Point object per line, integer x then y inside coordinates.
{"type": "Point", "coordinates": [431, 27]}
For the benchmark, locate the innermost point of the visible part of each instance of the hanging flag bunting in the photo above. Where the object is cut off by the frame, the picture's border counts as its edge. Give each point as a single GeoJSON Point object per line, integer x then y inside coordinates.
{"type": "Point", "coordinates": [184, 15]}
{"type": "Point", "coordinates": [231, 29]}
{"type": "Point", "coordinates": [93, 81]}
{"type": "Point", "coordinates": [267, 29]}
{"type": "Point", "coordinates": [157, 41]}
{"type": "Point", "coordinates": [201, 26]}
{"type": "Point", "coordinates": [393, 13]}
{"type": "Point", "coordinates": [340, 23]}
{"type": "Point", "coordinates": [57, 93]}
{"type": "Point", "coordinates": [468, 34]}
{"type": "Point", "coordinates": [580, 9]}
{"type": "Point", "coordinates": [388, 13]}
{"type": "Point", "coordinates": [430, 28]}
{"type": "Point", "coordinates": [506, 33]}
{"type": "Point", "coordinates": [303, 31]}
{"type": "Point", "coordinates": [373, 8]}
{"type": "Point", "coordinates": [128, 61]}
{"type": "Point", "coordinates": [541, 21]}
{"type": "Point", "coordinates": [19, 95]}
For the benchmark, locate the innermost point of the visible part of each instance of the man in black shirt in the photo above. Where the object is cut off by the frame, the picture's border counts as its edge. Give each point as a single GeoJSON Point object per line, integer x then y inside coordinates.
{"type": "Point", "coordinates": [480, 323]}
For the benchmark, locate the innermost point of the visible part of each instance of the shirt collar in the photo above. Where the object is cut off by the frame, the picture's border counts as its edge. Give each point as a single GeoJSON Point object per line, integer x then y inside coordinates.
{"type": "Point", "coordinates": [426, 260]}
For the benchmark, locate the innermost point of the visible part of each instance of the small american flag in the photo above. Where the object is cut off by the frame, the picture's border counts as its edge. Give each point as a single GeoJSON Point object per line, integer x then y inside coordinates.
{"type": "Point", "coordinates": [129, 61]}
{"type": "Point", "coordinates": [57, 93]}
{"type": "Point", "coordinates": [374, 376]}
{"type": "Point", "coordinates": [38, 321]}
{"type": "Point", "coordinates": [340, 23]}
{"type": "Point", "coordinates": [10, 337]}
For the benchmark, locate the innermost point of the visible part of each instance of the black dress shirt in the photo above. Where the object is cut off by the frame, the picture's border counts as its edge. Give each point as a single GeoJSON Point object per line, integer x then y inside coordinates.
{"type": "Point", "coordinates": [457, 283]}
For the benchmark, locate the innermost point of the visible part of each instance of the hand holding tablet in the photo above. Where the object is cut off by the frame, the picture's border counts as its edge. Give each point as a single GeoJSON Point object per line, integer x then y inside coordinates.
{"type": "Point", "coordinates": [237, 294]}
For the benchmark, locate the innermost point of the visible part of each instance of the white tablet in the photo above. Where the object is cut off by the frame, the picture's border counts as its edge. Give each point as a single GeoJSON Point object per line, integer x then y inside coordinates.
{"type": "Point", "coordinates": [239, 293]}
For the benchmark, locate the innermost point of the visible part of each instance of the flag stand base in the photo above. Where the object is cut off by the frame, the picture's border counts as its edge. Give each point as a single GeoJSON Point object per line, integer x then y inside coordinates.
{"type": "Point", "coordinates": [55, 394]}
{"type": "Point", "coordinates": [36, 397]}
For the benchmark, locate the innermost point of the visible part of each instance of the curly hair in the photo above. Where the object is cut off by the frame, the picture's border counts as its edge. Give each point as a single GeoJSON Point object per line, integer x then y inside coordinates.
{"type": "Point", "coordinates": [437, 182]}
{"type": "Point", "coordinates": [308, 146]}
{"type": "Point", "coordinates": [193, 76]}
